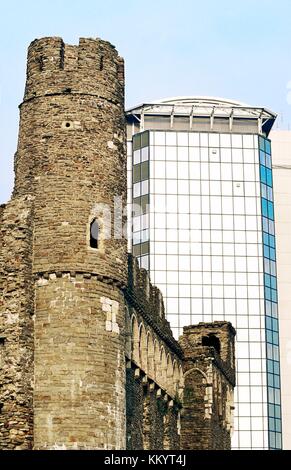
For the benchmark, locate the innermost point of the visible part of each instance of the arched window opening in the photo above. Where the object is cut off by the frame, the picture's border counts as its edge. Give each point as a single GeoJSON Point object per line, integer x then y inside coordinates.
{"type": "Point", "coordinates": [211, 340]}
{"type": "Point", "coordinates": [94, 234]}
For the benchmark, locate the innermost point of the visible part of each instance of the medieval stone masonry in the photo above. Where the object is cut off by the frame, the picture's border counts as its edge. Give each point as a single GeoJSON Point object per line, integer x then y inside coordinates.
{"type": "Point", "coordinates": [87, 357]}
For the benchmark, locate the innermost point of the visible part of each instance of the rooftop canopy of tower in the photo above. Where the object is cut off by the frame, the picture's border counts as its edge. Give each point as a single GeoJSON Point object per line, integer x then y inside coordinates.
{"type": "Point", "coordinates": [203, 114]}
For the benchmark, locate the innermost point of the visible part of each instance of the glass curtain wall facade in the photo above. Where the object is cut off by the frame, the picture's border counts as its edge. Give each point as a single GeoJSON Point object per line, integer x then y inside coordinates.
{"type": "Point", "coordinates": [203, 226]}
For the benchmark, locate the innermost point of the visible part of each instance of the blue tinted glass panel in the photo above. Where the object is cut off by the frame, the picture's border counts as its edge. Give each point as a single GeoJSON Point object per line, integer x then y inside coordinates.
{"type": "Point", "coordinates": [269, 177]}
{"type": "Point", "coordinates": [275, 325]}
{"type": "Point", "coordinates": [268, 307]}
{"type": "Point", "coordinates": [265, 224]}
{"type": "Point", "coordinates": [276, 381]}
{"type": "Point", "coordinates": [275, 338]}
{"type": "Point", "coordinates": [263, 174]}
{"type": "Point", "coordinates": [272, 436]}
{"type": "Point", "coordinates": [262, 158]}
{"type": "Point", "coordinates": [271, 380]}
{"type": "Point", "coordinates": [273, 268]}
{"type": "Point", "coordinates": [266, 238]}
{"type": "Point", "coordinates": [268, 293]}
{"type": "Point", "coordinates": [272, 424]}
{"type": "Point", "coordinates": [272, 254]}
{"type": "Point", "coordinates": [269, 323]}
{"type": "Point", "coordinates": [272, 241]}
{"type": "Point", "coordinates": [269, 336]}
{"type": "Point", "coordinates": [277, 411]}
{"type": "Point", "coordinates": [278, 425]}
{"type": "Point", "coordinates": [266, 251]}
{"type": "Point", "coordinates": [267, 280]}
{"type": "Point", "coordinates": [275, 310]}
{"type": "Point", "coordinates": [278, 440]}
{"type": "Point", "coordinates": [271, 227]}
{"type": "Point", "coordinates": [270, 193]}
{"type": "Point", "coordinates": [264, 190]}
{"type": "Point", "coordinates": [268, 161]}
{"type": "Point", "coordinates": [271, 210]}
{"type": "Point", "coordinates": [276, 357]}
{"type": "Point", "coordinates": [265, 207]}
{"type": "Point", "coordinates": [268, 147]}
{"type": "Point", "coordinates": [262, 143]}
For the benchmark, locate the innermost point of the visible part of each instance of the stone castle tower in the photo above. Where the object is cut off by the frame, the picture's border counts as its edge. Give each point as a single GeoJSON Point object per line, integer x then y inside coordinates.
{"type": "Point", "coordinates": [87, 357]}
{"type": "Point", "coordinates": [57, 258]}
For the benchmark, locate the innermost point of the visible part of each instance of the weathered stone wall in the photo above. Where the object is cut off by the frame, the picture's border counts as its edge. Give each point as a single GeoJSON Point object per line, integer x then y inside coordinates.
{"type": "Point", "coordinates": [154, 368]}
{"type": "Point", "coordinates": [79, 364]}
{"type": "Point", "coordinates": [134, 410]}
{"type": "Point", "coordinates": [209, 380]}
{"type": "Point", "coordinates": [16, 325]}
{"type": "Point", "coordinates": [152, 417]}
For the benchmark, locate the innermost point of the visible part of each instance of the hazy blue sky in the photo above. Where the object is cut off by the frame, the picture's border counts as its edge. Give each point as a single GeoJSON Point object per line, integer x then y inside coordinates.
{"type": "Point", "coordinates": [238, 49]}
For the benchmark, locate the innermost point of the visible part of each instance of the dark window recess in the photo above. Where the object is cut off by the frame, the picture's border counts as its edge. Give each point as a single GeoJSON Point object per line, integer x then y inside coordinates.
{"type": "Point", "coordinates": [40, 63]}
{"type": "Point", "coordinates": [62, 57]}
{"type": "Point", "coordinates": [94, 234]}
{"type": "Point", "coordinates": [211, 340]}
{"type": "Point", "coordinates": [2, 340]}
{"type": "Point", "coordinates": [101, 63]}
{"type": "Point", "coordinates": [1, 407]}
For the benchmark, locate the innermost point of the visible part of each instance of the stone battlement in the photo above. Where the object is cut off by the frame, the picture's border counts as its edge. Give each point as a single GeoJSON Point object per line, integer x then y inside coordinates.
{"type": "Point", "coordinates": [54, 67]}
{"type": "Point", "coordinates": [149, 298]}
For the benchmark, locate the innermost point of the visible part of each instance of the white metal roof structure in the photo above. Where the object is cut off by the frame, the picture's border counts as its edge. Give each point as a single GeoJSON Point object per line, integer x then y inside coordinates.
{"type": "Point", "coordinates": [204, 107]}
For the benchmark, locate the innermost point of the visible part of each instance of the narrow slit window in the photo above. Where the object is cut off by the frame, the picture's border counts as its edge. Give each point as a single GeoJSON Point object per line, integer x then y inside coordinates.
{"type": "Point", "coordinates": [101, 63]}
{"type": "Point", "coordinates": [94, 234]}
{"type": "Point", "coordinates": [40, 63]}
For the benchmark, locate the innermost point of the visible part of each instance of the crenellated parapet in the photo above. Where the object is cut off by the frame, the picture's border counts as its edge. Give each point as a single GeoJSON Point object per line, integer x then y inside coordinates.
{"type": "Point", "coordinates": [149, 300]}
{"type": "Point", "coordinates": [152, 347]}
{"type": "Point", "coordinates": [92, 67]}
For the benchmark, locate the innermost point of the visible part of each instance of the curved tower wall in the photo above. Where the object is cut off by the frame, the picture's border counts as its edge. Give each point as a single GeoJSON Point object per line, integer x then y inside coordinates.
{"type": "Point", "coordinates": [70, 164]}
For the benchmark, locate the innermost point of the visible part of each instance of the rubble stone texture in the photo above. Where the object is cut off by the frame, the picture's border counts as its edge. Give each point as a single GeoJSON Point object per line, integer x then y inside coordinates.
{"type": "Point", "coordinates": [209, 380]}
{"type": "Point", "coordinates": [88, 359]}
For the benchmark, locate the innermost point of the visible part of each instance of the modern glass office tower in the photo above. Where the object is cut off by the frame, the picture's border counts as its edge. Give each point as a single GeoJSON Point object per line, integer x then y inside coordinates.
{"type": "Point", "coordinates": [200, 177]}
